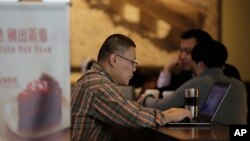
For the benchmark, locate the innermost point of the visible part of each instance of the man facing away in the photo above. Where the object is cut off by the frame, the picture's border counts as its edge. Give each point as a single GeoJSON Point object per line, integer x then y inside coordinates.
{"type": "Point", "coordinates": [208, 61]}
{"type": "Point", "coordinates": [98, 104]}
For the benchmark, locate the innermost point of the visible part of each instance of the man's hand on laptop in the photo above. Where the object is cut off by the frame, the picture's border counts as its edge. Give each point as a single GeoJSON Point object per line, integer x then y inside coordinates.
{"type": "Point", "coordinates": [176, 114]}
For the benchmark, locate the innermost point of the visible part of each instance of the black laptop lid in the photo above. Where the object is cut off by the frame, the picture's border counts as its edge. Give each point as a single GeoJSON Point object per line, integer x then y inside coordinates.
{"type": "Point", "coordinates": [213, 101]}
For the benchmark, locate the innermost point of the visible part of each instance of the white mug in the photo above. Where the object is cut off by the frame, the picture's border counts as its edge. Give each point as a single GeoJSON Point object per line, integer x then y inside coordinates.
{"type": "Point", "coordinates": [154, 92]}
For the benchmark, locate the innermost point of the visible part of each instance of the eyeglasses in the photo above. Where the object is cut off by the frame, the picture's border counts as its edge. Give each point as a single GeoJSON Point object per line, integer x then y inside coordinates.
{"type": "Point", "coordinates": [131, 61]}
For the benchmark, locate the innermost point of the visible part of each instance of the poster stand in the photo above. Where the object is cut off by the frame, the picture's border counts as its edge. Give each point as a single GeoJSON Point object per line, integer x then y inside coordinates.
{"type": "Point", "coordinates": [35, 71]}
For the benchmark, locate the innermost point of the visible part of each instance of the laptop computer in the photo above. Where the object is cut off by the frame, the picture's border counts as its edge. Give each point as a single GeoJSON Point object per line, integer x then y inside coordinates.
{"type": "Point", "coordinates": [209, 108]}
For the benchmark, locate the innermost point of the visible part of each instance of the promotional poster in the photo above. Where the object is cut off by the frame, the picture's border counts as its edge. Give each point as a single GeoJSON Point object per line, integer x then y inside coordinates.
{"type": "Point", "coordinates": [34, 72]}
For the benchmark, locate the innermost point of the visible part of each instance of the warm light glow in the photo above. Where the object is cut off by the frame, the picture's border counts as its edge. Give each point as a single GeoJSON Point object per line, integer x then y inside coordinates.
{"type": "Point", "coordinates": [67, 1]}
{"type": "Point", "coordinates": [131, 13]}
{"type": "Point", "coordinates": [162, 29]}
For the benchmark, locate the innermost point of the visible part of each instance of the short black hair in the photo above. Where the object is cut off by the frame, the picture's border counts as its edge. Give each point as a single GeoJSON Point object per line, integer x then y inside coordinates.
{"type": "Point", "coordinates": [199, 34]}
{"type": "Point", "coordinates": [116, 43]}
{"type": "Point", "coordinates": [212, 53]}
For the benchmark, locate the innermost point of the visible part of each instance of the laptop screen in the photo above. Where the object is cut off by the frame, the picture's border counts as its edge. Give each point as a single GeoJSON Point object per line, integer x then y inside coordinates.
{"type": "Point", "coordinates": [214, 99]}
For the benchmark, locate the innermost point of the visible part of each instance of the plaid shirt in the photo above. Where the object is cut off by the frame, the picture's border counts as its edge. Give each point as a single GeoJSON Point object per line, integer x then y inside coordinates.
{"type": "Point", "coordinates": [97, 104]}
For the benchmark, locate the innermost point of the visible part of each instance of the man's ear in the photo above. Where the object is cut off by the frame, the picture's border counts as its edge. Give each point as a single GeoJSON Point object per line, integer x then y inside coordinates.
{"type": "Point", "coordinates": [112, 59]}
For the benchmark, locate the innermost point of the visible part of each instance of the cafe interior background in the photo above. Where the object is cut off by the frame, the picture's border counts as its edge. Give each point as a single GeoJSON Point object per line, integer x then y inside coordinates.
{"type": "Point", "coordinates": [155, 26]}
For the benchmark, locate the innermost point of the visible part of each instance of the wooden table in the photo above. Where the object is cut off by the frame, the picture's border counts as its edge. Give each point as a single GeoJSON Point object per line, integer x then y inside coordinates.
{"type": "Point", "coordinates": [215, 132]}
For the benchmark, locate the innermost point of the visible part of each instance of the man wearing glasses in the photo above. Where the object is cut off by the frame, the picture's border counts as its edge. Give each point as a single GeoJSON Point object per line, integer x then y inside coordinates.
{"type": "Point", "coordinates": [98, 104]}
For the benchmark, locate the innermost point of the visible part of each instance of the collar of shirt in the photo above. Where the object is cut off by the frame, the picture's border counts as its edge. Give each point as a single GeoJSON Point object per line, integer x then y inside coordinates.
{"type": "Point", "coordinates": [213, 70]}
{"type": "Point", "coordinates": [99, 68]}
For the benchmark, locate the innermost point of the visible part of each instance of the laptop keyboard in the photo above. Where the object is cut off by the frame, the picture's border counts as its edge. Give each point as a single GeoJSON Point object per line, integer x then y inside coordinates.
{"type": "Point", "coordinates": [187, 120]}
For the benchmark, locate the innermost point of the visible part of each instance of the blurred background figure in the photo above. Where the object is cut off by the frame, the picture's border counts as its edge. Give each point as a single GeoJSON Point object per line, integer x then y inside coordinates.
{"type": "Point", "coordinates": [87, 63]}
{"type": "Point", "coordinates": [209, 58]}
{"type": "Point", "coordinates": [180, 69]}
{"type": "Point", "coordinates": [231, 70]}
{"type": "Point", "coordinates": [148, 80]}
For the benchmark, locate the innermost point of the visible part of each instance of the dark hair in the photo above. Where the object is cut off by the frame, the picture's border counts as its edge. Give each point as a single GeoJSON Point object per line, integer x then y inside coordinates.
{"type": "Point", "coordinates": [199, 34]}
{"type": "Point", "coordinates": [212, 53]}
{"type": "Point", "coordinates": [116, 43]}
